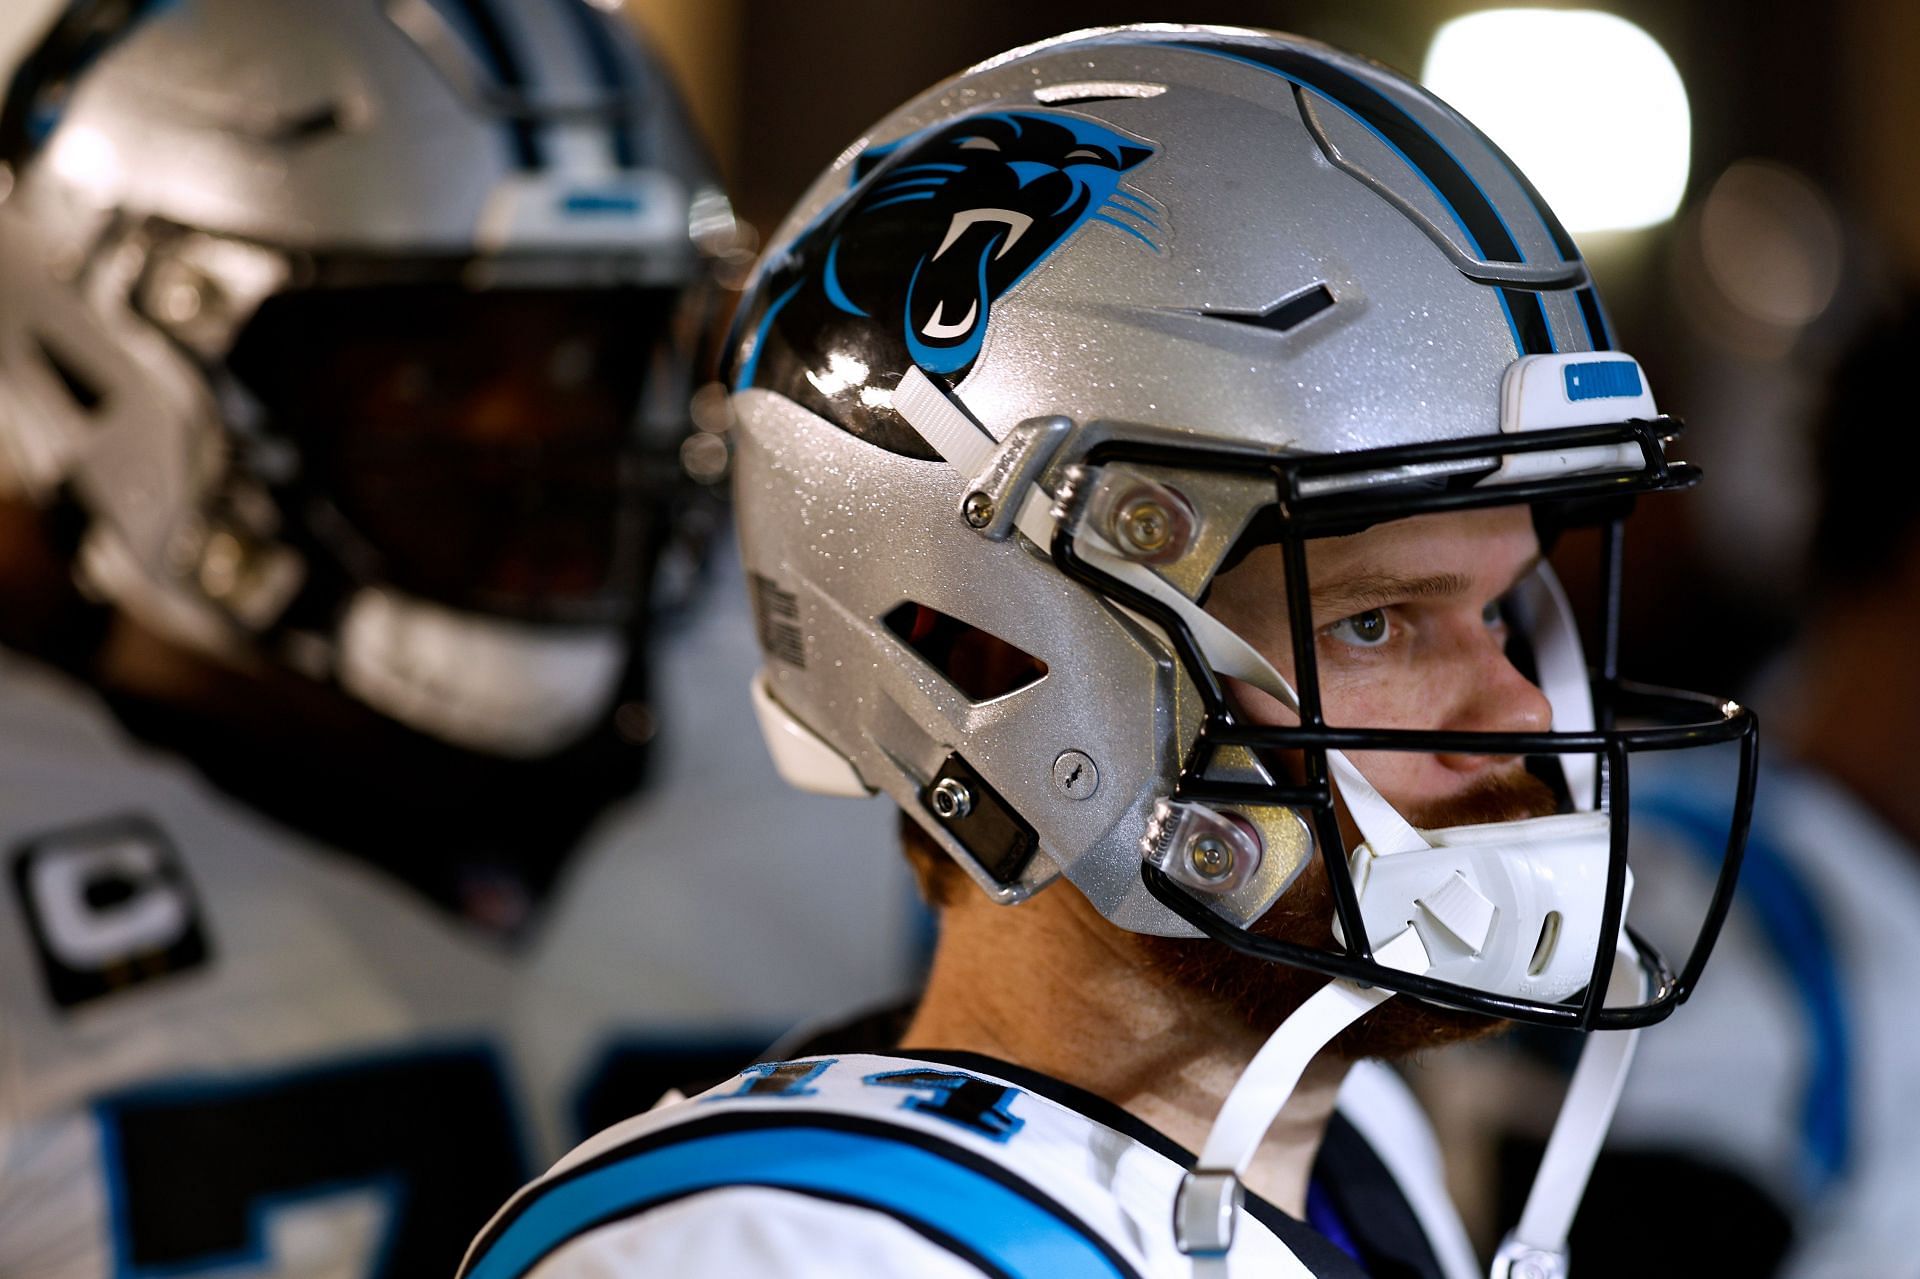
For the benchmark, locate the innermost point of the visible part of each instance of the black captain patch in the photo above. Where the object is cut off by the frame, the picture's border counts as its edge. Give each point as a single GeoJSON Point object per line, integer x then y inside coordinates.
{"type": "Point", "coordinates": [108, 906]}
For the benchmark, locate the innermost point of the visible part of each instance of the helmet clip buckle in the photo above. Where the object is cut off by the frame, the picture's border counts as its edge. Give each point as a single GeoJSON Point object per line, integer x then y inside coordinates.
{"type": "Point", "coordinates": [1207, 851]}
{"type": "Point", "coordinates": [992, 498]}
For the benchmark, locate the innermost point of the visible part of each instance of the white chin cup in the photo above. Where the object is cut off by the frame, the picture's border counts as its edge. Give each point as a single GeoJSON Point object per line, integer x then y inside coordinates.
{"type": "Point", "coordinates": [1511, 908]}
{"type": "Point", "coordinates": [505, 688]}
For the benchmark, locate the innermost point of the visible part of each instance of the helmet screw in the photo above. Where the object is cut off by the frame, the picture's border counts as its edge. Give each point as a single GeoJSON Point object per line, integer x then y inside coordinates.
{"type": "Point", "coordinates": [1144, 526]}
{"type": "Point", "coordinates": [951, 799]}
{"type": "Point", "coordinates": [1074, 775]}
{"type": "Point", "coordinates": [1210, 858]}
{"type": "Point", "coordinates": [978, 509]}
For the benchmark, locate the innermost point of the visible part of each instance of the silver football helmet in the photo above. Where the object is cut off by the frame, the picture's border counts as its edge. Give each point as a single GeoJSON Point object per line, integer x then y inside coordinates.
{"type": "Point", "coordinates": [1062, 337]}
{"type": "Point", "coordinates": [360, 334]}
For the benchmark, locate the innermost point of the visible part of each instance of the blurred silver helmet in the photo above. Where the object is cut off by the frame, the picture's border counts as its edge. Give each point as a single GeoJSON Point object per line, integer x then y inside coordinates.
{"type": "Point", "coordinates": [1050, 344]}
{"type": "Point", "coordinates": [360, 333]}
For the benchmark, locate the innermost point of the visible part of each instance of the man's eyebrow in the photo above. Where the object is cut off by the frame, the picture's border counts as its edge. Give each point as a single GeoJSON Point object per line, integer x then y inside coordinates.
{"type": "Point", "coordinates": [1371, 590]}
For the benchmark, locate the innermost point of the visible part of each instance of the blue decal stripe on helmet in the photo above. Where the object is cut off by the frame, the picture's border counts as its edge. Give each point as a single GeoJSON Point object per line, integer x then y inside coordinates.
{"type": "Point", "coordinates": [1562, 242]}
{"type": "Point", "coordinates": [908, 198]}
{"type": "Point", "coordinates": [1138, 235]}
{"type": "Point", "coordinates": [836, 294]}
{"type": "Point", "coordinates": [608, 70]}
{"type": "Point", "coordinates": [1445, 176]}
{"type": "Point", "coordinates": [484, 32]}
{"type": "Point", "coordinates": [745, 376]}
{"type": "Point", "coordinates": [969, 1205]}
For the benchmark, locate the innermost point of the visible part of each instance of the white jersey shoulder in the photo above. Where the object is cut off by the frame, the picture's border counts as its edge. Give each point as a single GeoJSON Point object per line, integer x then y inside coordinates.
{"type": "Point", "coordinates": [182, 980]}
{"type": "Point", "coordinates": [875, 1165]}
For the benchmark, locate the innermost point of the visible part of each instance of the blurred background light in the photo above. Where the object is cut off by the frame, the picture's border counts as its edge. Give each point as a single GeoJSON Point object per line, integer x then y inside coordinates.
{"type": "Point", "coordinates": [1771, 243]}
{"type": "Point", "coordinates": [1587, 104]}
{"type": "Point", "coordinates": [85, 158]}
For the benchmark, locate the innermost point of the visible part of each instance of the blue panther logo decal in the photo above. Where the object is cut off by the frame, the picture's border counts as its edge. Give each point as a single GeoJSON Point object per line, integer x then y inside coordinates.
{"type": "Point", "coordinates": [905, 269]}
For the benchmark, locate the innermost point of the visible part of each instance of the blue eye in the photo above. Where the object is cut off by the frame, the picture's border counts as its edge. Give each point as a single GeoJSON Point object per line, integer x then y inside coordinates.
{"type": "Point", "coordinates": [1362, 630]}
{"type": "Point", "coordinates": [1493, 615]}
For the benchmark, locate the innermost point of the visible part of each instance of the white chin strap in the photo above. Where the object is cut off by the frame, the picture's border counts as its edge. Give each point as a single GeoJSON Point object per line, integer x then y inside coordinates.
{"type": "Point", "coordinates": [1537, 1247]}
{"type": "Point", "coordinates": [1456, 912]}
{"type": "Point", "coordinates": [1207, 1206]}
{"type": "Point", "coordinates": [482, 683]}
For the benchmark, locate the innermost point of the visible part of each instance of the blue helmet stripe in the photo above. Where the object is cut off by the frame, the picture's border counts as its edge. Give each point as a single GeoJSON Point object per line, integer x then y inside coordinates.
{"type": "Point", "coordinates": [1457, 190]}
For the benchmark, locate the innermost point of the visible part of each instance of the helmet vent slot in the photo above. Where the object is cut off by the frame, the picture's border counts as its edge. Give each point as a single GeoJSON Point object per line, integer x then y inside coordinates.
{"type": "Point", "coordinates": [1282, 316]}
{"type": "Point", "coordinates": [310, 125]}
{"type": "Point", "coordinates": [980, 664]}
{"type": "Point", "coordinates": [1544, 948]}
{"type": "Point", "coordinates": [78, 385]}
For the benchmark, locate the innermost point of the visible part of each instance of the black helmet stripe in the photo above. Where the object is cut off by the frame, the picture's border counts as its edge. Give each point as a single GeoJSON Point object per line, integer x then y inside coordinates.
{"type": "Point", "coordinates": [1476, 213]}
{"type": "Point", "coordinates": [1590, 312]}
{"type": "Point", "coordinates": [1596, 319]}
{"type": "Point", "coordinates": [489, 38]}
{"type": "Point", "coordinates": [84, 31]}
{"type": "Point", "coordinates": [607, 61]}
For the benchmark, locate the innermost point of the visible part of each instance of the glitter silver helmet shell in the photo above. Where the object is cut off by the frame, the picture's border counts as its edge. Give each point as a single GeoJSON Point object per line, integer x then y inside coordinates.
{"type": "Point", "coordinates": [169, 169]}
{"type": "Point", "coordinates": [1115, 297]}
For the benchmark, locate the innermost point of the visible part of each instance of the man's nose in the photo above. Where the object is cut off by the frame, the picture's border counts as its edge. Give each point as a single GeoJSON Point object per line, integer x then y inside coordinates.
{"type": "Point", "coordinates": [1494, 698]}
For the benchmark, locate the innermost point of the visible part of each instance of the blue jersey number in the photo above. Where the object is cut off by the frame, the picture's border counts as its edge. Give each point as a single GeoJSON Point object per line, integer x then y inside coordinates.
{"type": "Point", "coordinates": [972, 1103]}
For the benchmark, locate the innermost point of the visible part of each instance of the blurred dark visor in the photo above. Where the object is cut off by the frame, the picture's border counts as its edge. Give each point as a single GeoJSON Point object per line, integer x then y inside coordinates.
{"type": "Point", "coordinates": [484, 449]}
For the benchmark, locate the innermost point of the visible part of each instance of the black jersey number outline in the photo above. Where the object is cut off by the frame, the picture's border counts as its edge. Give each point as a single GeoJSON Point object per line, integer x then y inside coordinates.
{"type": "Point", "coordinates": [195, 1171]}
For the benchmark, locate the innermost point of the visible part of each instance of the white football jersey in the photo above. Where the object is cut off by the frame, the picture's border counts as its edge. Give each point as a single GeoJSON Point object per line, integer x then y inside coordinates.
{"type": "Point", "coordinates": [226, 1049]}
{"type": "Point", "coordinates": [938, 1165]}
{"type": "Point", "coordinates": [1797, 1062]}
{"type": "Point", "coordinates": [221, 1046]}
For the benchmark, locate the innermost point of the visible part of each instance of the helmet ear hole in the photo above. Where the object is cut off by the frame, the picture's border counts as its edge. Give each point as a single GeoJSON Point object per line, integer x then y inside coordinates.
{"type": "Point", "coordinates": [978, 663]}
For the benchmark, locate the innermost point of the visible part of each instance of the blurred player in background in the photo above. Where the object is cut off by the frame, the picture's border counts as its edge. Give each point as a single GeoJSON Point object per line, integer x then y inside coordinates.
{"type": "Point", "coordinates": [1782, 1106]}
{"type": "Point", "coordinates": [345, 352]}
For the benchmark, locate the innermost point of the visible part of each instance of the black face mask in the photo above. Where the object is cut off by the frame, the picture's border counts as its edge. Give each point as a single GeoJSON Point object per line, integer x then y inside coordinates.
{"type": "Point", "coordinates": [484, 450]}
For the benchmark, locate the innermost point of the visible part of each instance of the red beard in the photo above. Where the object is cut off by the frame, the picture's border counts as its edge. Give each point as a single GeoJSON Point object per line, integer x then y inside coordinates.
{"type": "Point", "coordinates": [1265, 994]}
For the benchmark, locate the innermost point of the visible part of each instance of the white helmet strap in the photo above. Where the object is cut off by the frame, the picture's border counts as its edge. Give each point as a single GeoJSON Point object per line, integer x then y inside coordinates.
{"type": "Point", "coordinates": [1560, 667]}
{"type": "Point", "coordinates": [1209, 1198]}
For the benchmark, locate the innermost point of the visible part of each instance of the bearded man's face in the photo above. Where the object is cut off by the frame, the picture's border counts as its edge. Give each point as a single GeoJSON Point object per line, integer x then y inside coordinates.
{"type": "Point", "coordinates": [1409, 633]}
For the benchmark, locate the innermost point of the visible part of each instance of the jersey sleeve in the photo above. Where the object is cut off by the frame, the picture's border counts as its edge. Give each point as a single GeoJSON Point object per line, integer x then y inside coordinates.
{"type": "Point", "coordinates": [751, 1230]}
